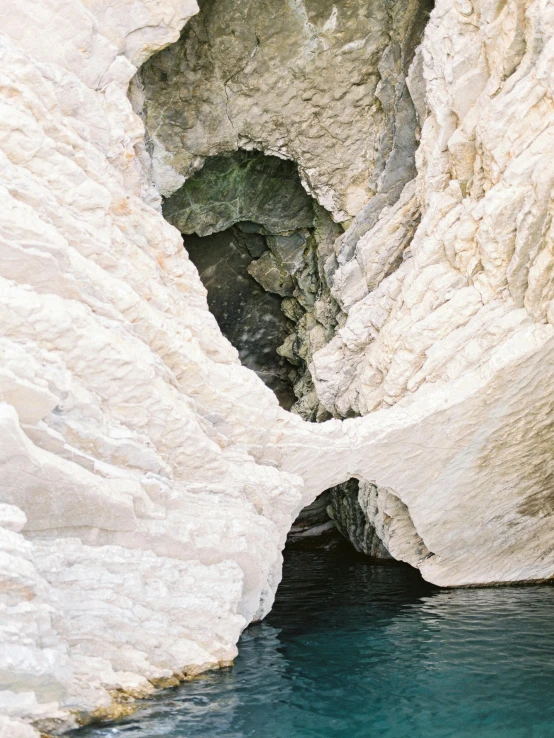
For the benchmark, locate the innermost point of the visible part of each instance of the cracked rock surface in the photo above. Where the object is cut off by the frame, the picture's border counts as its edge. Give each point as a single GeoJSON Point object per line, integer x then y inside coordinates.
{"type": "Point", "coordinates": [148, 480]}
{"type": "Point", "coordinates": [318, 82]}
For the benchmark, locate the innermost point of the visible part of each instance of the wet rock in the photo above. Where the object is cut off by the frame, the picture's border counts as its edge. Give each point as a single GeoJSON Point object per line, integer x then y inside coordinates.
{"type": "Point", "coordinates": [349, 514]}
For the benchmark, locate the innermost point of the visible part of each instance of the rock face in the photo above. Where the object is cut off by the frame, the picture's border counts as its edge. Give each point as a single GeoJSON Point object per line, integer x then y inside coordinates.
{"type": "Point", "coordinates": [475, 274]}
{"type": "Point", "coordinates": [352, 518]}
{"type": "Point", "coordinates": [147, 479]}
{"type": "Point", "coordinates": [237, 188]}
{"type": "Point", "coordinates": [248, 315]}
{"type": "Point", "coordinates": [120, 458]}
{"type": "Point", "coordinates": [267, 277]}
{"type": "Point", "coordinates": [317, 82]}
{"type": "Point", "coordinates": [376, 522]}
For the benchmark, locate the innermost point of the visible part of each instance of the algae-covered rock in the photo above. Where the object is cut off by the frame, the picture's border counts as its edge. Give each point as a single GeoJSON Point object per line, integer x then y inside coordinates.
{"type": "Point", "coordinates": [246, 186]}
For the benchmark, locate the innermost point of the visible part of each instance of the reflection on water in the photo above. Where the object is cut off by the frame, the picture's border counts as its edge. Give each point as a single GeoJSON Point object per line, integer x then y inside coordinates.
{"type": "Point", "coordinates": [355, 650]}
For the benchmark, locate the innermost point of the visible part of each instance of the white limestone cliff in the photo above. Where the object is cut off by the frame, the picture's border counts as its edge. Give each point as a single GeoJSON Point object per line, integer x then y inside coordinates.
{"type": "Point", "coordinates": [147, 480]}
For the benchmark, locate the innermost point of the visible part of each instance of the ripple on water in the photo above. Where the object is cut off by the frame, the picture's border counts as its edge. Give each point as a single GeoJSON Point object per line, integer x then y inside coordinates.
{"type": "Point", "coordinates": [353, 650]}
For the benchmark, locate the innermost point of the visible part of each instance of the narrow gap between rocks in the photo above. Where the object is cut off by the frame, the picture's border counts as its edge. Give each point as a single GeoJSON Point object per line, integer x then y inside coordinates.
{"type": "Point", "coordinates": [264, 250]}
{"type": "Point", "coordinates": [262, 246]}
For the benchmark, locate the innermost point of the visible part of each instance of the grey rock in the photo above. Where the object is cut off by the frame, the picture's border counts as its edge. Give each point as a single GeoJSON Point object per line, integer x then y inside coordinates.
{"type": "Point", "coordinates": [351, 519]}
{"type": "Point", "coordinates": [319, 84]}
{"type": "Point", "coordinates": [248, 315]}
{"type": "Point", "coordinates": [277, 239]}
{"type": "Point", "coordinates": [272, 275]}
{"type": "Point", "coordinates": [246, 186]}
{"type": "Point", "coordinates": [313, 81]}
{"type": "Point", "coordinates": [375, 521]}
{"type": "Point", "coordinates": [313, 517]}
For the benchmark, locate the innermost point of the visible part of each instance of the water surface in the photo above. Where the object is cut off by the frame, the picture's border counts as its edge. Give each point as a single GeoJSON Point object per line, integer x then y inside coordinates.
{"type": "Point", "coordinates": [354, 650]}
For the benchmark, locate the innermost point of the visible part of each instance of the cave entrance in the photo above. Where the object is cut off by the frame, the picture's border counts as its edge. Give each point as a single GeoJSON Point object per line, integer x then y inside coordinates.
{"type": "Point", "coordinates": [263, 248]}
{"type": "Point", "coordinates": [329, 87]}
{"type": "Point", "coordinates": [350, 509]}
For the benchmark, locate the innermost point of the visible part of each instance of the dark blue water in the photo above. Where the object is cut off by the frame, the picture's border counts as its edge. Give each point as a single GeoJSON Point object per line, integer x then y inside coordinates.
{"type": "Point", "coordinates": [353, 650]}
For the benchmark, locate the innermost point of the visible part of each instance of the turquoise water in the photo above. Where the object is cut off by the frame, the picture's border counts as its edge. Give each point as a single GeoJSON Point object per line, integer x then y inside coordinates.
{"type": "Point", "coordinates": [353, 650]}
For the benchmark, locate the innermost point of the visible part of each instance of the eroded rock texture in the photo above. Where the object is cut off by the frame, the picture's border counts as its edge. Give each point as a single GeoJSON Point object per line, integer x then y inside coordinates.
{"type": "Point", "coordinates": [119, 480]}
{"type": "Point", "coordinates": [317, 82]}
{"type": "Point", "coordinates": [351, 518]}
{"type": "Point", "coordinates": [475, 273]}
{"type": "Point", "coordinates": [376, 522]}
{"type": "Point", "coordinates": [147, 479]}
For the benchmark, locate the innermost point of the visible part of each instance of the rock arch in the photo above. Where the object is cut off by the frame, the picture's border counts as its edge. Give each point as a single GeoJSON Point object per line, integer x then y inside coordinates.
{"type": "Point", "coordinates": [159, 462]}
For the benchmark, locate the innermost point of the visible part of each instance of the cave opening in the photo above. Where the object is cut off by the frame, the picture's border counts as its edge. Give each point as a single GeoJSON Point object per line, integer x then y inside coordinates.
{"type": "Point", "coordinates": [353, 511]}
{"type": "Point", "coordinates": [247, 314]}
{"type": "Point", "coordinates": [263, 248]}
{"type": "Point", "coordinates": [327, 89]}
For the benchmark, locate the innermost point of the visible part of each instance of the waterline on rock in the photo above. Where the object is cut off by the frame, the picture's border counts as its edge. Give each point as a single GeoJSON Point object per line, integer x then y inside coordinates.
{"type": "Point", "coordinates": [353, 649]}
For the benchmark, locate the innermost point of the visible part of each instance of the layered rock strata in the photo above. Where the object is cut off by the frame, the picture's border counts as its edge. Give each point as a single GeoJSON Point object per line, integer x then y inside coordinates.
{"type": "Point", "coordinates": [148, 480]}
{"type": "Point", "coordinates": [375, 521]}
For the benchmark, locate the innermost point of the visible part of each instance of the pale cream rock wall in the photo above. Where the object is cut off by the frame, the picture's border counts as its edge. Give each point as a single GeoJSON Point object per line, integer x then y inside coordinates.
{"type": "Point", "coordinates": [126, 418]}
{"type": "Point", "coordinates": [468, 314]}
{"type": "Point", "coordinates": [483, 249]}
{"type": "Point", "coordinates": [148, 481]}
